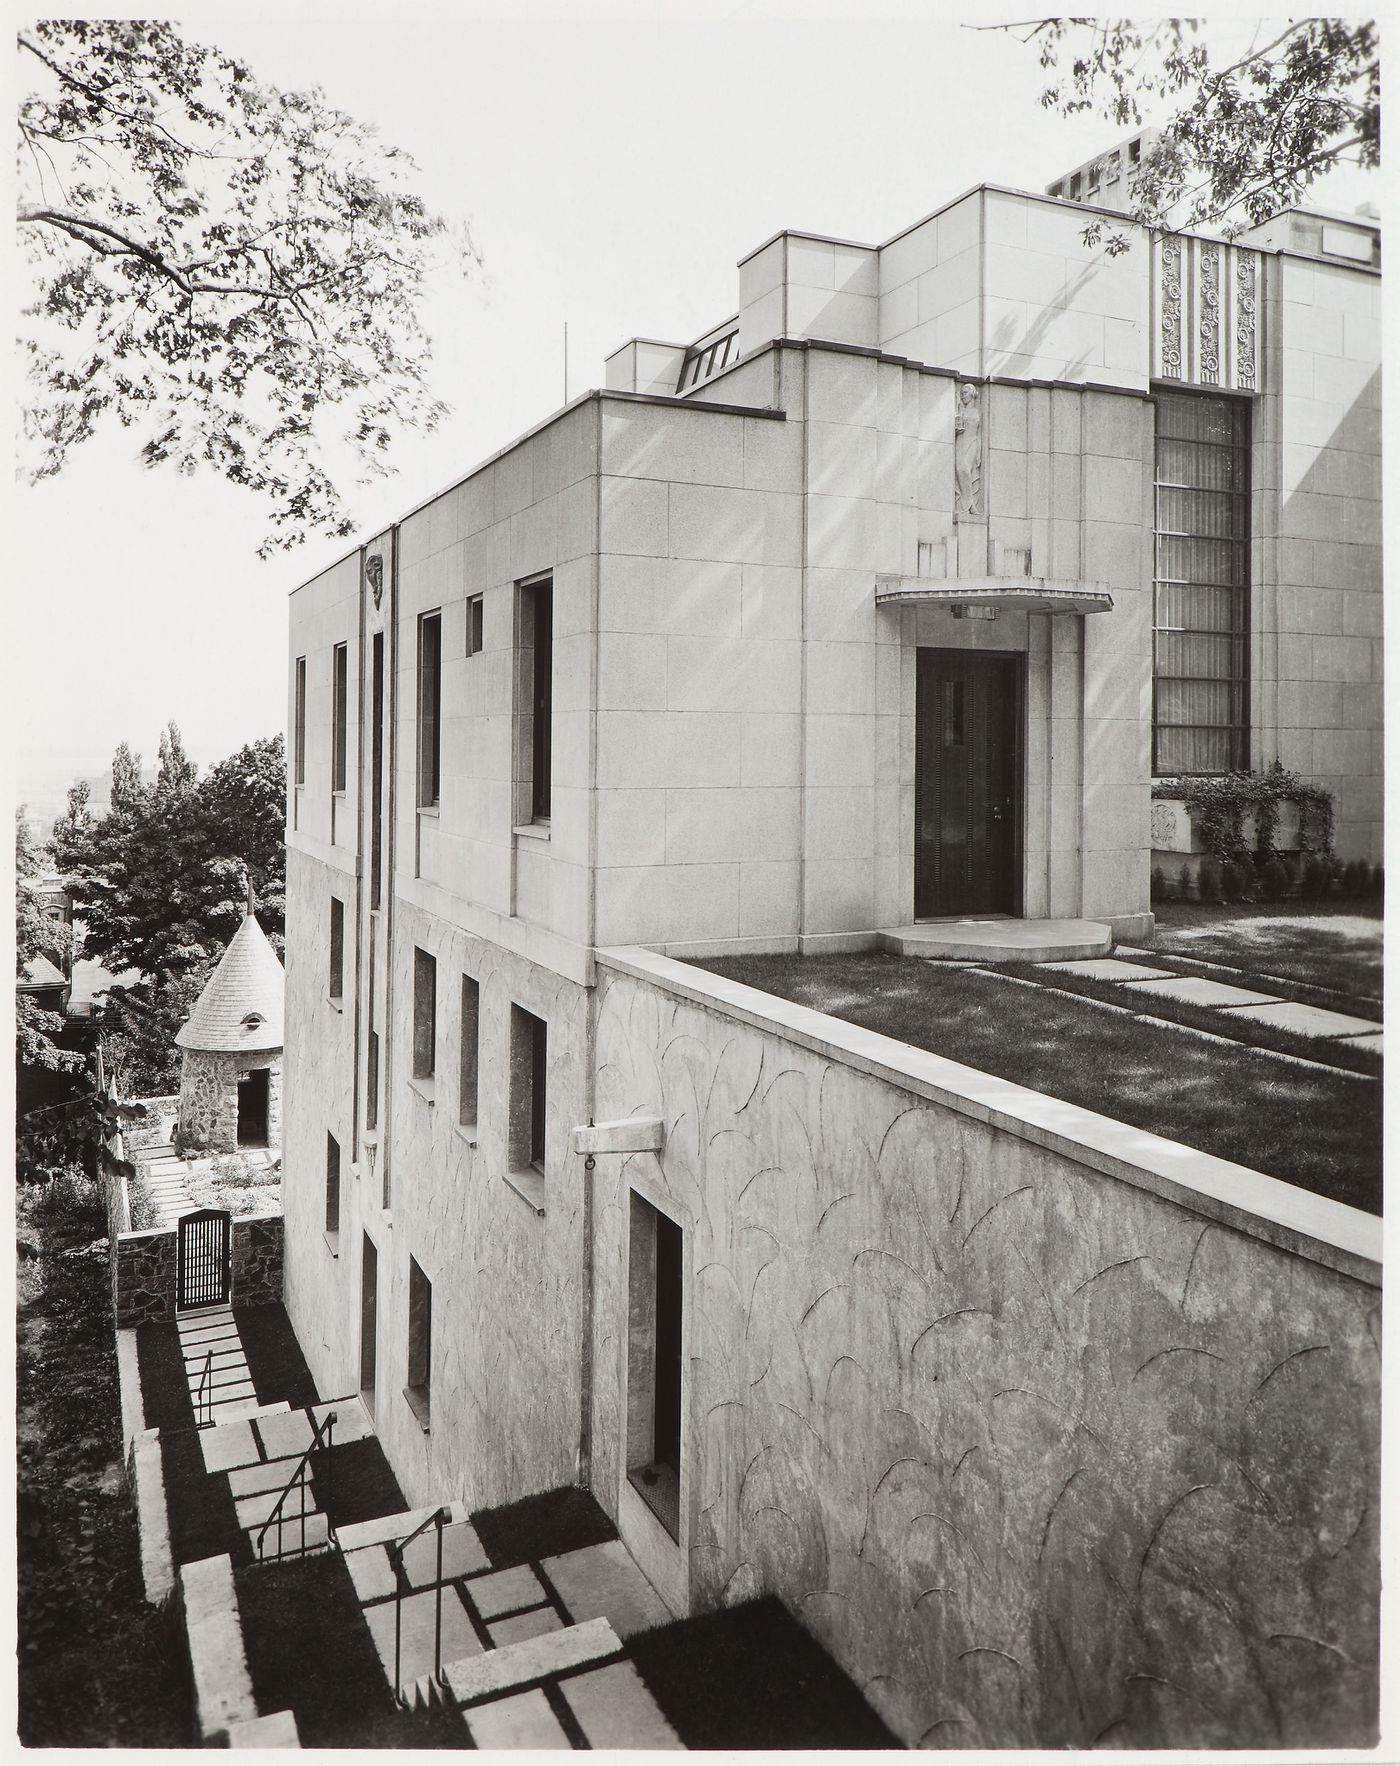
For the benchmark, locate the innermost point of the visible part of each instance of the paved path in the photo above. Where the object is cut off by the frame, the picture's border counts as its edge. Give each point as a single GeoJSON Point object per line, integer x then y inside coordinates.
{"type": "Point", "coordinates": [1141, 984]}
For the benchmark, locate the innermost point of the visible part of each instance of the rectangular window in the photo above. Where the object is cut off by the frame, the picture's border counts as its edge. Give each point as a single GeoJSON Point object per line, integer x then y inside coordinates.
{"type": "Point", "coordinates": [372, 1082]}
{"type": "Point", "coordinates": [429, 709]}
{"type": "Point", "coordinates": [299, 726]}
{"type": "Point", "coordinates": [424, 1015]}
{"type": "Point", "coordinates": [471, 1032]}
{"type": "Point", "coordinates": [1200, 711]}
{"type": "Point", "coordinates": [654, 1361]}
{"type": "Point", "coordinates": [420, 1342]}
{"type": "Point", "coordinates": [376, 783]}
{"type": "Point", "coordinates": [340, 676]}
{"type": "Point", "coordinates": [529, 1052]}
{"type": "Point", "coordinates": [475, 611]}
{"type": "Point", "coordinates": [332, 1184]}
{"type": "Point", "coordinates": [535, 686]}
{"type": "Point", "coordinates": [336, 981]}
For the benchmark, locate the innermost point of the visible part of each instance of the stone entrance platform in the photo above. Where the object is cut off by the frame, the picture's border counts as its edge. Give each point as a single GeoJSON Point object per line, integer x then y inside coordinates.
{"type": "Point", "coordinates": [1000, 940]}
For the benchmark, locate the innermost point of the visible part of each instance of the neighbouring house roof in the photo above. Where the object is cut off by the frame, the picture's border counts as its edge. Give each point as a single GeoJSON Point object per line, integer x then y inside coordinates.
{"type": "Point", "coordinates": [40, 975]}
{"type": "Point", "coordinates": [241, 1006]}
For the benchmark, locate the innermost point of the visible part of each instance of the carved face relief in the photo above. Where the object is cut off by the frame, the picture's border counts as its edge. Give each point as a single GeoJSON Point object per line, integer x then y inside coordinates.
{"type": "Point", "coordinates": [374, 571]}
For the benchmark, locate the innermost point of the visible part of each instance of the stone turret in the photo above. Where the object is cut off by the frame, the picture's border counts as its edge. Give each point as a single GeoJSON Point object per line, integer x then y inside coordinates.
{"type": "Point", "coordinates": [231, 1074]}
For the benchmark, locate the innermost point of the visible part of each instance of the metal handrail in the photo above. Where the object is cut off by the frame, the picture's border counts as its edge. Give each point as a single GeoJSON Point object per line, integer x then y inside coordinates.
{"type": "Point", "coordinates": [437, 1519]}
{"type": "Point", "coordinates": [204, 1396]}
{"type": "Point", "coordinates": [323, 1429]}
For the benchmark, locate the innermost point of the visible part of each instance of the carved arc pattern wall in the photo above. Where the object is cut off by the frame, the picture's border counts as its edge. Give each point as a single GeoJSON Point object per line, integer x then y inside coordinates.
{"type": "Point", "coordinates": [1207, 312]}
{"type": "Point", "coordinates": [1043, 1459]}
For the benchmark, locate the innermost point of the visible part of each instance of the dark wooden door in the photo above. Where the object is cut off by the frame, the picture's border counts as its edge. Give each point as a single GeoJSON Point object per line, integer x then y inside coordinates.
{"type": "Point", "coordinates": [967, 783]}
{"type": "Point", "coordinates": [202, 1263]}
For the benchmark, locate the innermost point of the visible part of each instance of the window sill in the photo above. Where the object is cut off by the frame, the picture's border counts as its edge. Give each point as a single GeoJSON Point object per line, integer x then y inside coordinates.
{"type": "Point", "coordinates": [420, 1403]}
{"type": "Point", "coordinates": [426, 1089]}
{"type": "Point", "coordinates": [529, 1186]}
{"type": "Point", "coordinates": [532, 830]}
{"type": "Point", "coordinates": [434, 810]}
{"type": "Point", "coordinates": [336, 1005]}
{"type": "Point", "coordinates": [333, 1243]}
{"type": "Point", "coordinates": [467, 1132]}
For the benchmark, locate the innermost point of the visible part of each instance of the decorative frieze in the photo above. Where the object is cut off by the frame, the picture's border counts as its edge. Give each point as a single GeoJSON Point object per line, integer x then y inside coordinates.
{"type": "Point", "coordinates": [1206, 313]}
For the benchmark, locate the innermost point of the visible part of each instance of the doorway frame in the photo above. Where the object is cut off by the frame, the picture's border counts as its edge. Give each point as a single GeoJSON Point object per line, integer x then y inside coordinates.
{"type": "Point", "coordinates": [1019, 660]}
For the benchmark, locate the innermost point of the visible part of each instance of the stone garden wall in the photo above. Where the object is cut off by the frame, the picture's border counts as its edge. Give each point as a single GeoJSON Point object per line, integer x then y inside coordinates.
{"type": "Point", "coordinates": [144, 1269]}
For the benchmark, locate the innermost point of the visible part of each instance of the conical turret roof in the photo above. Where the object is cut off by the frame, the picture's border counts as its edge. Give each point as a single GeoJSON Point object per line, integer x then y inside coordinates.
{"type": "Point", "coordinates": [240, 1009]}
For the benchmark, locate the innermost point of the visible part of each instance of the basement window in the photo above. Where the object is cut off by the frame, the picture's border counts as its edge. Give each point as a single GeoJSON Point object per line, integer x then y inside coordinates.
{"type": "Point", "coordinates": [419, 1390]}
{"type": "Point", "coordinates": [332, 1188]}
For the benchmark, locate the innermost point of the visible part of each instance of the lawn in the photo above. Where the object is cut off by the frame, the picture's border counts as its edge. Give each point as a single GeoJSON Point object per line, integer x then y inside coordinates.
{"type": "Point", "coordinates": [542, 1526]}
{"type": "Point", "coordinates": [1315, 1129]}
{"type": "Point", "coordinates": [1332, 946]}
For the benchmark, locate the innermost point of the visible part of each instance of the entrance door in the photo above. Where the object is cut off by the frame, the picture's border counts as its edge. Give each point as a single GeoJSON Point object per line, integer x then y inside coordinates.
{"type": "Point", "coordinates": [967, 783]}
{"type": "Point", "coordinates": [252, 1109]}
{"type": "Point", "coordinates": [369, 1308]}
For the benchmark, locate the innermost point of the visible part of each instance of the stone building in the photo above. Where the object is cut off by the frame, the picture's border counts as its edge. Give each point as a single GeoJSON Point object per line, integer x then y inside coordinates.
{"type": "Point", "coordinates": [879, 606]}
{"type": "Point", "coordinates": [231, 1066]}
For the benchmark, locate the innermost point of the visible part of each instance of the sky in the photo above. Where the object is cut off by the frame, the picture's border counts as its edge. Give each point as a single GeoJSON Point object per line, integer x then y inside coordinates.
{"type": "Point", "coordinates": [614, 163]}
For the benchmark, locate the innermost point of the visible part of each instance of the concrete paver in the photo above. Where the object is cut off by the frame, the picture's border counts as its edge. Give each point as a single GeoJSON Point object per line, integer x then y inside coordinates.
{"type": "Point", "coordinates": [285, 1435]}
{"type": "Point", "coordinates": [1375, 1041]}
{"type": "Point", "coordinates": [517, 1664]}
{"type": "Point", "coordinates": [462, 1552]}
{"type": "Point", "coordinates": [524, 1720]}
{"type": "Point", "coordinates": [271, 1474]}
{"type": "Point", "coordinates": [505, 1591]}
{"type": "Point", "coordinates": [1199, 990]}
{"type": "Point", "coordinates": [603, 1581]}
{"type": "Point", "coordinates": [254, 1510]}
{"type": "Point", "coordinates": [277, 1731]}
{"type": "Point", "coordinates": [286, 1541]}
{"type": "Point", "coordinates": [229, 1445]}
{"type": "Point", "coordinates": [615, 1709]}
{"type": "Point", "coordinates": [521, 1626]}
{"type": "Point", "coordinates": [419, 1617]}
{"type": "Point", "coordinates": [1110, 969]}
{"type": "Point", "coordinates": [370, 1572]}
{"type": "Point", "coordinates": [1307, 1020]}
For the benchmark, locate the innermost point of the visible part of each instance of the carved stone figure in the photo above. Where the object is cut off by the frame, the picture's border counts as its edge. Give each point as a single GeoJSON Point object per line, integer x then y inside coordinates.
{"type": "Point", "coordinates": [374, 570]}
{"type": "Point", "coordinates": [967, 452]}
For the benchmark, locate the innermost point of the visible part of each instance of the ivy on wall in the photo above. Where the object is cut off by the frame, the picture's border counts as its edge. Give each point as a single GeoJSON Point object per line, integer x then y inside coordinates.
{"type": "Point", "coordinates": [1218, 805]}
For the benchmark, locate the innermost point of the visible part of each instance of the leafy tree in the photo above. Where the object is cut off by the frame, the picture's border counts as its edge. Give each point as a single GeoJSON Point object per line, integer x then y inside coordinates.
{"type": "Point", "coordinates": [36, 1030]}
{"type": "Point", "coordinates": [231, 270]}
{"type": "Point", "coordinates": [1241, 140]}
{"type": "Point", "coordinates": [161, 884]}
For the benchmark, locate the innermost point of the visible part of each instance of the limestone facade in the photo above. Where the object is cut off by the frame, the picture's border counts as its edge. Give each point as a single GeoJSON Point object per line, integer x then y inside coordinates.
{"type": "Point", "coordinates": [750, 547]}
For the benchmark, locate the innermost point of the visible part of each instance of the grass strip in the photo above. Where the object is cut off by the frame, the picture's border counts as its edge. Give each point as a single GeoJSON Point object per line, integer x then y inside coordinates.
{"type": "Point", "coordinates": [1318, 1130]}
{"type": "Point", "coordinates": [750, 1676]}
{"type": "Point", "coordinates": [542, 1526]}
{"type": "Point", "coordinates": [198, 1504]}
{"type": "Point", "coordinates": [360, 1486]}
{"type": "Point", "coordinates": [165, 1390]}
{"type": "Point", "coordinates": [309, 1651]}
{"type": "Point", "coordinates": [1252, 940]}
{"type": "Point", "coordinates": [1258, 977]}
{"type": "Point", "coordinates": [276, 1364]}
{"type": "Point", "coordinates": [1248, 1032]}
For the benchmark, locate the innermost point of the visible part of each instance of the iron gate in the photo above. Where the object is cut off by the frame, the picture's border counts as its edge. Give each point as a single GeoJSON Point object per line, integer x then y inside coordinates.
{"type": "Point", "coordinates": [204, 1257]}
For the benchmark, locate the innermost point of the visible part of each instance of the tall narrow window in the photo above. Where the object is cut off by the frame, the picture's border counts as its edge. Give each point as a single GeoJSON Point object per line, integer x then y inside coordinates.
{"type": "Point", "coordinates": [429, 709]}
{"type": "Point", "coordinates": [299, 725]}
{"type": "Point", "coordinates": [654, 1361]}
{"type": "Point", "coordinates": [535, 700]}
{"type": "Point", "coordinates": [332, 1184]}
{"type": "Point", "coordinates": [372, 1082]}
{"type": "Point", "coordinates": [475, 610]}
{"type": "Point", "coordinates": [424, 1015]}
{"type": "Point", "coordinates": [340, 703]}
{"type": "Point", "coordinates": [471, 1029]}
{"type": "Point", "coordinates": [419, 1391]}
{"type": "Point", "coordinates": [376, 783]}
{"type": "Point", "coordinates": [1200, 715]}
{"type": "Point", "coordinates": [336, 979]}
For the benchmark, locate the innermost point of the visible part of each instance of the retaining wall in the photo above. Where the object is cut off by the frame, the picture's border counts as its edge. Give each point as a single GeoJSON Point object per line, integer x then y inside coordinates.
{"type": "Point", "coordinates": [1055, 1433]}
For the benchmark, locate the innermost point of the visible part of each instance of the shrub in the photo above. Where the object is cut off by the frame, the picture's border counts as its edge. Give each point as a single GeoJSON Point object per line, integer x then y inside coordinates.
{"type": "Point", "coordinates": [1273, 881]}
{"type": "Point", "coordinates": [1211, 887]}
{"type": "Point", "coordinates": [1317, 876]}
{"type": "Point", "coordinates": [1232, 880]}
{"type": "Point", "coordinates": [1249, 878]}
{"type": "Point", "coordinates": [1159, 884]}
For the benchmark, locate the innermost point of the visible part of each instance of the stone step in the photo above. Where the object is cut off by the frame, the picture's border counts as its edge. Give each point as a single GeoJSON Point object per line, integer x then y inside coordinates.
{"type": "Point", "coordinates": [234, 1373]}
{"type": "Point", "coordinates": [222, 1357]}
{"type": "Point", "coordinates": [518, 1664]}
{"type": "Point", "coordinates": [317, 1534]}
{"type": "Point", "coordinates": [417, 1621]}
{"type": "Point", "coordinates": [521, 1720]}
{"type": "Point", "coordinates": [386, 1528]}
{"type": "Point", "coordinates": [352, 1420]}
{"type": "Point", "coordinates": [220, 1395]}
{"type": "Point", "coordinates": [615, 1709]}
{"type": "Point", "coordinates": [1000, 940]}
{"type": "Point", "coordinates": [462, 1555]}
{"type": "Point", "coordinates": [253, 1478]}
{"type": "Point", "coordinates": [231, 1442]}
{"type": "Point", "coordinates": [254, 1510]}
